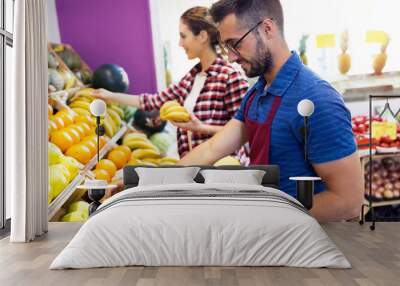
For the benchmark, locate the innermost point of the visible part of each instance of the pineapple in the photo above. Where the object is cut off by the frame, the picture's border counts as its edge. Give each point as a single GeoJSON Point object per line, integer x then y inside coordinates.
{"type": "Point", "coordinates": [302, 49]}
{"type": "Point", "coordinates": [344, 59]}
{"type": "Point", "coordinates": [381, 58]}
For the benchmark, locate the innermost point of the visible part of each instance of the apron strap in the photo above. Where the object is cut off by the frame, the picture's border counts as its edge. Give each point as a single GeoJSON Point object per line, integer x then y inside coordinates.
{"type": "Point", "coordinates": [248, 103]}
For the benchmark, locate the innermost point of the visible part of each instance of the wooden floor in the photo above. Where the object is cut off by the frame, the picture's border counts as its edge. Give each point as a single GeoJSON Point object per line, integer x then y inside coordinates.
{"type": "Point", "coordinates": [375, 257]}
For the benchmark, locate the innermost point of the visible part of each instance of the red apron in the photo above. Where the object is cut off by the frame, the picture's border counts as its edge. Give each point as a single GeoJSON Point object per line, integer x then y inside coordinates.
{"type": "Point", "coordinates": [260, 133]}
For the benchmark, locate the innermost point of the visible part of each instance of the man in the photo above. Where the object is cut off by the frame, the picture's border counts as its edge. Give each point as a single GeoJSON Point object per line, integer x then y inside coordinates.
{"type": "Point", "coordinates": [253, 33]}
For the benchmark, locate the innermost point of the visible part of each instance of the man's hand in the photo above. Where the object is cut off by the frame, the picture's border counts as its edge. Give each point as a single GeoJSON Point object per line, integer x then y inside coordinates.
{"type": "Point", "coordinates": [345, 189]}
{"type": "Point", "coordinates": [232, 136]}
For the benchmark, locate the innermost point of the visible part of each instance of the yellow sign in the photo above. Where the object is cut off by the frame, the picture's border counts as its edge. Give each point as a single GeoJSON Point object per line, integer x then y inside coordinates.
{"type": "Point", "coordinates": [326, 41]}
{"type": "Point", "coordinates": [376, 37]}
{"type": "Point", "coordinates": [380, 129]}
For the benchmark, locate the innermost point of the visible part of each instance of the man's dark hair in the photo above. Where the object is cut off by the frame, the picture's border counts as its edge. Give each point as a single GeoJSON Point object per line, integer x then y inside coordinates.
{"type": "Point", "coordinates": [249, 12]}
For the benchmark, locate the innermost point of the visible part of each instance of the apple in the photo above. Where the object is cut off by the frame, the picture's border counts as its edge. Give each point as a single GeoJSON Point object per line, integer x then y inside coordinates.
{"type": "Point", "coordinates": [386, 139]}
{"type": "Point", "coordinates": [360, 119]}
{"type": "Point", "coordinates": [377, 119]}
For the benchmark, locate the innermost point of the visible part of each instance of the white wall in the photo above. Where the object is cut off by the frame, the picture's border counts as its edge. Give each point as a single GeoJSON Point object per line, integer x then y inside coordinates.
{"type": "Point", "coordinates": [168, 13]}
{"type": "Point", "coordinates": [312, 17]}
{"type": "Point", "coordinates": [53, 31]}
{"type": "Point", "coordinates": [334, 16]}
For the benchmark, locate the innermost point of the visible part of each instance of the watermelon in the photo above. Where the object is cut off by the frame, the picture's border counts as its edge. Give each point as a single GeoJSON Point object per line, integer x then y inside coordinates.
{"type": "Point", "coordinates": [111, 77]}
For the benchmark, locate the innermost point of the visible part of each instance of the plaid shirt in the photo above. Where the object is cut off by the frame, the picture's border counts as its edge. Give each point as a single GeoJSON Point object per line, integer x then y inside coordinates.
{"type": "Point", "coordinates": [217, 103]}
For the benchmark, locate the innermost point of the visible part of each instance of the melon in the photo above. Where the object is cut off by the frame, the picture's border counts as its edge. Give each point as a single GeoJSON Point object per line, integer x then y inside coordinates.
{"type": "Point", "coordinates": [162, 141]}
{"type": "Point", "coordinates": [56, 79]}
{"type": "Point", "coordinates": [71, 59]}
{"type": "Point", "coordinates": [52, 61]}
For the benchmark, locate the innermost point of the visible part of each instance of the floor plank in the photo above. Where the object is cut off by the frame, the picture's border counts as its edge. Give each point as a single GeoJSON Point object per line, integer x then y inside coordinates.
{"type": "Point", "coordinates": [375, 257]}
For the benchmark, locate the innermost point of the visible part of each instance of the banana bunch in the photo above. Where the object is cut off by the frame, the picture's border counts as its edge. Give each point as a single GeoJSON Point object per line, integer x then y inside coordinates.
{"type": "Point", "coordinates": [149, 161]}
{"type": "Point", "coordinates": [143, 151]}
{"type": "Point", "coordinates": [112, 120]}
{"type": "Point", "coordinates": [148, 157]}
{"type": "Point", "coordinates": [173, 111]}
{"type": "Point", "coordinates": [80, 104]}
{"type": "Point", "coordinates": [82, 109]}
{"type": "Point", "coordinates": [167, 161]}
{"type": "Point", "coordinates": [139, 141]}
{"type": "Point", "coordinates": [84, 94]}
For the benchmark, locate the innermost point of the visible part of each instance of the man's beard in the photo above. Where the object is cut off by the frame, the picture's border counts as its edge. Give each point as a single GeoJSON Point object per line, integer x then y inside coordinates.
{"type": "Point", "coordinates": [262, 63]}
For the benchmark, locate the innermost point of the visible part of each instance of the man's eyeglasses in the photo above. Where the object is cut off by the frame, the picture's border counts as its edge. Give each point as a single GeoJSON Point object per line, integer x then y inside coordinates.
{"type": "Point", "coordinates": [233, 46]}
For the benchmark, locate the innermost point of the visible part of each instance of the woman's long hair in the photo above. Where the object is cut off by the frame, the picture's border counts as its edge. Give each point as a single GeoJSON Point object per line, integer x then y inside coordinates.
{"type": "Point", "coordinates": [198, 19]}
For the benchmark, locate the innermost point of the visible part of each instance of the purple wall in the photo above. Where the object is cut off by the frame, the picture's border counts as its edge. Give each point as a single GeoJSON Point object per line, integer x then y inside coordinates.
{"type": "Point", "coordinates": [110, 31]}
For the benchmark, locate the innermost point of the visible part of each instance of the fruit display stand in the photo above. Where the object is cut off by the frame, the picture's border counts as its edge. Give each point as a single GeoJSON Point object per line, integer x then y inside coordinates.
{"type": "Point", "coordinates": [107, 147]}
{"type": "Point", "coordinates": [59, 201]}
{"type": "Point", "coordinates": [63, 196]}
{"type": "Point", "coordinates": [60, 76]}
{"type": "Point", "coordinates": [381, 165]}
{"type": "Point", "coordinates": [368, 81]}
{"type": "Point", "coordinates": [73, 61]}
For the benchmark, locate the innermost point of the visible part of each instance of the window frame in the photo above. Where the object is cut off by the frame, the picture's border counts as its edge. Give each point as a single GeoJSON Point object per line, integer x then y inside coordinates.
{"type": "Point", "coordinates": [6, 39]}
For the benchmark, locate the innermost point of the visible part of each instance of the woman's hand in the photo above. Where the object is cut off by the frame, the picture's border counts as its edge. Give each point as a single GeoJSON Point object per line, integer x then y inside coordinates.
{"type": "Point", "coordinates": [194, 125]}
{"type": "Point", "coordinates": [104, 94]}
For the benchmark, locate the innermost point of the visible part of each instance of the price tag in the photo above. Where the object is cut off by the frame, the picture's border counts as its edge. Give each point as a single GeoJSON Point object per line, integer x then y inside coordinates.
{"type": "Point", "coordinates": [376, 37]}
{"type": "Point", "coordinates": [380, 129]}
{"type": "Point", "coordinates": [326, 41]}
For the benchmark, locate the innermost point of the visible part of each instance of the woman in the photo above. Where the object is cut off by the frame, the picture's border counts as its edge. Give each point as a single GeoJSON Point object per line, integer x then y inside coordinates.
{"type": "Point", "coordinates": [211, 91]}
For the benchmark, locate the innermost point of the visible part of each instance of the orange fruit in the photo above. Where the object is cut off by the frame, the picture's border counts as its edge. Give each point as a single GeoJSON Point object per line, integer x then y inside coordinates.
{"type": "Point", "coordinates": [66, 117]}
{"type": "Point", "coordinates": [62, 139]}
{"type": "Point", "coordinates": [102, 174]}
{"type": "Point", "coordinates": [51, 127]}
{"type": "Point", "coordinates": [49, 110]}
{"type": "Point", "coordinates": [58, 121]}
{"type": "Point", "coordinates": [85, 118]}
{"type": "Point", "coordinates": [90, 138]}
{"type": "Point", "coordinates": [107, 165]}
{"type": "Point", "coordinates": [93, 138]}
{"type": "Point", "coordinates": [78, 128]}
{"type": "Point", "coordinates": [85, 127]}
{"type": "Point", "coordinates": [125, 149]}
{"type": "Point", "coordinates": [80, 152]}
{"type": "Point", "coordinates": [73, 133]}
{"type": "Point", "coordinates": [91, 145]}
{"type": "Point", "coordinates": [118, 157]}
{"type": "Point", "coordinates": [103, 141]}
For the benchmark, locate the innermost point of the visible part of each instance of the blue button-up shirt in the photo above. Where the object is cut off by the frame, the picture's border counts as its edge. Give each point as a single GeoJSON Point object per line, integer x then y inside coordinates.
{"type": "Point", "coordinates": [330, 135]}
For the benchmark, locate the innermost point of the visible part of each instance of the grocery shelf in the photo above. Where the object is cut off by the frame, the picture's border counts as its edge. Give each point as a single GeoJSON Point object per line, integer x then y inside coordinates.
{"type": "Point", "coordinates": [363, 82]}
{"type": "Point", "coordinates": [380, 156]}
{"type": "Point", "coordinates": [62, 198]}
{"type": "Point", "coordinates": [107, 147]}
{"type": "Point", "coordinates": [64, 67]}
{"type": "Point", "coordinates": [383, 203]}
{"type": "Point", "coordinates": [59, 201]}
